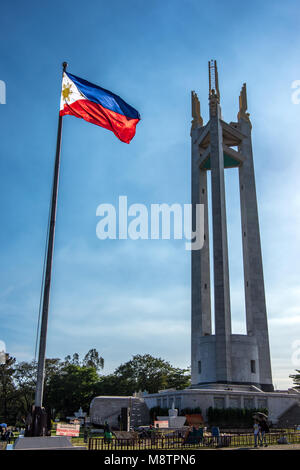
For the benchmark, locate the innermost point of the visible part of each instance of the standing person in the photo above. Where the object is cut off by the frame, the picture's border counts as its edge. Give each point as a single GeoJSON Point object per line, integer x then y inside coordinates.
{"type": "Point", "coordinates": [215, 432]}
{"type": "Point", "coordinates": [256, 432]}
{"type": "Point", "coordinates": [3, 431]}
{"type": "Point", "coordinates": [85, 435]}
{"type": "Point", "coordinates": [264, 429]}
{"type": "Point", "coordinates": [107, 433]}
{"type": "Point", "coordinates": [187, 433]}
{"type": "Point", "coordinates": [9, 435]}
{"type": "Point", "coordinates": [150, 431]}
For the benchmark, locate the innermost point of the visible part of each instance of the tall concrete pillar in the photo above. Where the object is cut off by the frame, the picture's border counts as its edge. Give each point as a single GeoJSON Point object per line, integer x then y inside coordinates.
{"type": "Point", "coordinates": [201, 303]}
{"type": "Point", "coordinates": [256, 314]}
{"type": "Point", "coordinates": [220, 248]}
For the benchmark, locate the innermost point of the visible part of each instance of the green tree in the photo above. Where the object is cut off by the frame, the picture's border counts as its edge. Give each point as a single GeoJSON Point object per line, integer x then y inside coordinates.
{"type": "Point", "coordinates": [25, 379]}
{"type": "Point", "coordinates": [8, 391]}
{"type": "Point", "coordinates": [70, 388]}
{"type": "Point", "coordinates": [113, 385]}
{"type": "Point", "coordinates": [152, 374]}
{"type": "Point", "coordinates": [73, 360]}
{"type": "Point", "coordinates": [69, 384]}
{"type": "Point", "coordinates": [179, 378]}
{"type": "Point", "coordinates": [296, 379]}
{"type": "Point", "coordinates": [92, 359]}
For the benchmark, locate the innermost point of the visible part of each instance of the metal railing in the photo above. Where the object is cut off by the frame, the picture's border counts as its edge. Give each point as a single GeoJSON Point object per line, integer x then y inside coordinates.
{"type": "Point", "coordinates": [179, 442]}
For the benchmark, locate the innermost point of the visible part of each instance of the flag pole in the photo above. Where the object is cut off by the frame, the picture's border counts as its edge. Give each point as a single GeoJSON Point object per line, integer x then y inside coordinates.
{"type": "Point", "coordinates": [38, 428]}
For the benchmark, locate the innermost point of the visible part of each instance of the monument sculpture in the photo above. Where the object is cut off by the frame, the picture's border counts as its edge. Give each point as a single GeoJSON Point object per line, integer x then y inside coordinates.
{"type": "Point", "coordinates": [174, 421]}
{"type": "Point", "coordinates": [224, 357]}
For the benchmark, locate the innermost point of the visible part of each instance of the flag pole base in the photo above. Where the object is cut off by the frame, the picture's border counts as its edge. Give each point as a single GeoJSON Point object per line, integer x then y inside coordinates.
{"type": "Point", "coordinates": [38, 423]}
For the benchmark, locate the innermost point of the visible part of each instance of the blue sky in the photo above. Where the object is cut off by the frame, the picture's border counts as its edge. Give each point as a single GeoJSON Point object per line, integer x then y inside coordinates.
{"type": "Point", "coordinates": [127, 297]}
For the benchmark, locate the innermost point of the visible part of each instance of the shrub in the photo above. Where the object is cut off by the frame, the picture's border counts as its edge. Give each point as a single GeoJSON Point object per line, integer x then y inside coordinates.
{"type": "Point", "coordinates": [158, 411]}
{"type": "Point", "coordinates": [191, 411]}
{"type": "Point", "coordinates": [232, 416]}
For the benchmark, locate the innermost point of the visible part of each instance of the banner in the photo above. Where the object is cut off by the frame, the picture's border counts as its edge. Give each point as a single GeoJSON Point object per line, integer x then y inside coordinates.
{"type": "Point", "coordinates": [67, 429]}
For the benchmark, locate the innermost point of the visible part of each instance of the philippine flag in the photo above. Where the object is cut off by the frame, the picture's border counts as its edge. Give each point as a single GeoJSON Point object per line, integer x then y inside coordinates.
{"type": "Point", "coordinates": [101, 107]}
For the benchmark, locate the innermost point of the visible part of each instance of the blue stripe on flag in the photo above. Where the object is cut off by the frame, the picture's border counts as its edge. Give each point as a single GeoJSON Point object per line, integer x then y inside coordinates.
{"type": "Point", "coordinates": [105, 98]}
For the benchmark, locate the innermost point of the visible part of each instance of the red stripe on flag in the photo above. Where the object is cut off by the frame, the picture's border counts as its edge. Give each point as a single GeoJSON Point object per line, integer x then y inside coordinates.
{"type": "Point", "coordinates": [120, 125]}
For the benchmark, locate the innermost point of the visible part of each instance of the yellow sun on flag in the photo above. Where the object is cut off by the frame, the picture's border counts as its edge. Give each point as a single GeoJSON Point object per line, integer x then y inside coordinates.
{"type": "Point", "coordinates": [66, 91]}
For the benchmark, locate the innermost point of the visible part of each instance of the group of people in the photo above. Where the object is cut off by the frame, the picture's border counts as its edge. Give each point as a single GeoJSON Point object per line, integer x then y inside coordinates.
{"type": "Point", "coordinates": [260, 429]}
{"type": "Point", "coordinates": [6, 434]}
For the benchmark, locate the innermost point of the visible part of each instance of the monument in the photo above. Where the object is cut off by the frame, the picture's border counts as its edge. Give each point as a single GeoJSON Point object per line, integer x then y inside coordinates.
{"type": "Point", "coordinates": [228, 370]}
{"type": "Point", "coordinates": [224, 357]}
{"type": "Point", "coordinates": [174, 421]}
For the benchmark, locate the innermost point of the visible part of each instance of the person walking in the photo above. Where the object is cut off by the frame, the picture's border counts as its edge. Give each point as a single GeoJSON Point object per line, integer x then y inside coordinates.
{"type": "Point", "coordinates": [256, 432]}
{"type": "Point", "coordinates": [264, 429]}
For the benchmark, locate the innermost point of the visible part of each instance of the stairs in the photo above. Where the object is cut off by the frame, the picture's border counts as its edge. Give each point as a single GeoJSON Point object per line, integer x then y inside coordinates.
{"type": "Point", "coordinates": [139, 413]}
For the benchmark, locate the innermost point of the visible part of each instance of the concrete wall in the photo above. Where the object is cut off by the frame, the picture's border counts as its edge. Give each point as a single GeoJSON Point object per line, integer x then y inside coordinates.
{"type": "Point", "coordinates": [108, 408]}
{"type": "Point", "coordinates": [207, 355]}
{"type": "Point", "coordinates": [276, 402]}
{"type": "Point", "coordinates": [243, 350]}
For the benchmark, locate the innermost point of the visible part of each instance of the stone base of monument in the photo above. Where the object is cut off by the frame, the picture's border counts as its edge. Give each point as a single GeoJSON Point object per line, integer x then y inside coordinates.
{"type": "Point", "coordinates": [175, 422]}
{"type": "Point", "coordinates": [283, 405]}
{"type": "Point", "coordinates": [45, 443]}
